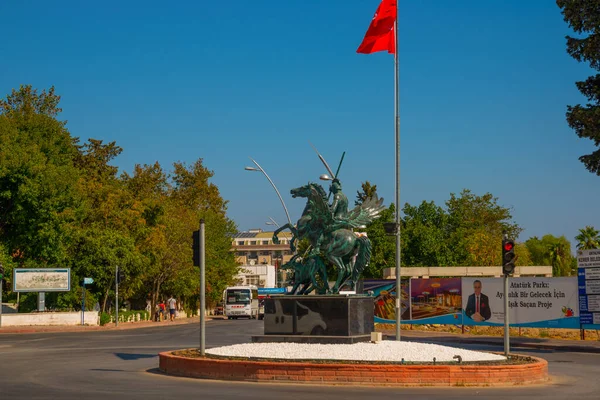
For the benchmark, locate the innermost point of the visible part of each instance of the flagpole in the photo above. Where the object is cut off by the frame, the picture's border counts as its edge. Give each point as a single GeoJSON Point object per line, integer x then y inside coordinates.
{"type": "Point", "coordinates": [397, 129]}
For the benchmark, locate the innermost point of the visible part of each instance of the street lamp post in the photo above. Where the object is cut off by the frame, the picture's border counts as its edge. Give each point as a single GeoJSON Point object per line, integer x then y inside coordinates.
{"type": "Point", "coordinates": [272, 222]}
{"type": "Point", "coordinates": [259, 168]}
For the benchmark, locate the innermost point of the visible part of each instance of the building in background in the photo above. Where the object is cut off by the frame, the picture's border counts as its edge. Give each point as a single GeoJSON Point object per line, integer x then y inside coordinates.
{"type": "Point", "coordinates": [260, 258]}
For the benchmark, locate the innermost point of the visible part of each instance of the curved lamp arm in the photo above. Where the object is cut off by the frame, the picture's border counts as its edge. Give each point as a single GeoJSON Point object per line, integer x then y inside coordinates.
{"type": "Point", "coordinates": [259, 168]}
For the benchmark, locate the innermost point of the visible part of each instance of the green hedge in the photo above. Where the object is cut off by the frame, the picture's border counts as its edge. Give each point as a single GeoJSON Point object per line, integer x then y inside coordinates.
{"type": "Point", "coordinates": [105, 318]}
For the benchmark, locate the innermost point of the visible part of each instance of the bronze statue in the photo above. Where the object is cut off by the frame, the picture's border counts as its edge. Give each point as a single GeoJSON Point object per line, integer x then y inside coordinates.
{"type": "Point", "coordinates": [329, 229]}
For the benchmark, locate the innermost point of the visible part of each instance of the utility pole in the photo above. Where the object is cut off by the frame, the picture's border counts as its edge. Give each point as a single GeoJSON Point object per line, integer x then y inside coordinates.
{"type": "Point", "coordinates": [83, 305]}
{"type": "Point", "coordinates": [117, 295]}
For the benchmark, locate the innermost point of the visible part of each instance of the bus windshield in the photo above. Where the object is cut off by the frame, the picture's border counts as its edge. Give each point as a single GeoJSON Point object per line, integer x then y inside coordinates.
{"type": "Point", "coordinates": [238, 296]}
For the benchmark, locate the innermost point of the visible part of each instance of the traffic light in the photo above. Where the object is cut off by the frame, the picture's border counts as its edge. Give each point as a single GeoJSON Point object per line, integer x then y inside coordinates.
{"type": "Point", "coordinates": [508, 256]}
{"type": "Point", "coordinates": [196, 248]}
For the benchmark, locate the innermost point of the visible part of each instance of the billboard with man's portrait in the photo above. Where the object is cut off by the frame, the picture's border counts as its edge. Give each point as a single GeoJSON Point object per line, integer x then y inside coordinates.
{"type": "Point", "coordinates": [533, 302]}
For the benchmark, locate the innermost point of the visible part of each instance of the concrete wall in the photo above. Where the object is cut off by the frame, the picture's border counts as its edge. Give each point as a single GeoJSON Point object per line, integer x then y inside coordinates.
{"type": "Point", "coordinates": [426, 272]}
{"type": "Point", "coordinates": [50, 318]}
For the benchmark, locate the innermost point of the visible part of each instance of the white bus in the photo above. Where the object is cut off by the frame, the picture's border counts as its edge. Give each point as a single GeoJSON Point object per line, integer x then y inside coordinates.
{"type": "Point", "coordinates": [240, 301]}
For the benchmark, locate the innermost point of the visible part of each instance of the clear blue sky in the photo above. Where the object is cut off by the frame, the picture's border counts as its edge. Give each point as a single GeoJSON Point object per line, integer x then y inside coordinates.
{"type": "Point", "coordinates": [484, 88]}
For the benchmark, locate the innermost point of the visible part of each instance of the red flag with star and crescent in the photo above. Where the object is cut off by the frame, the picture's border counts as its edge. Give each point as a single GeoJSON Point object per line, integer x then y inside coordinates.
{"type": "Point", "coordinates": [380, 35]}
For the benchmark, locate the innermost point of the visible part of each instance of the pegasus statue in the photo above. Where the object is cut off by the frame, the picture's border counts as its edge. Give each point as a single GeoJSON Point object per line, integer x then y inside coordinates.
{"type": "Point", "coordinates": [329, 230]}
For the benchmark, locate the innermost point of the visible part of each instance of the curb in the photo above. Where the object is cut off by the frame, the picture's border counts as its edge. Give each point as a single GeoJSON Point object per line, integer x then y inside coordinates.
{"type": "Point", "coordinates": [547, 346]}
{"type": "Point", "coordinates": [356, 374]}
{"type": "Point", "coordinates": [580, 348]}
{"type": "Point", "coordinates": [94, 328]}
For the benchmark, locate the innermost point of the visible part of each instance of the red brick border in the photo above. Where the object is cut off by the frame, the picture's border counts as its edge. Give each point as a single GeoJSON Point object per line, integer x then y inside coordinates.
{"type": "Point", "coordinates": [356, 374]}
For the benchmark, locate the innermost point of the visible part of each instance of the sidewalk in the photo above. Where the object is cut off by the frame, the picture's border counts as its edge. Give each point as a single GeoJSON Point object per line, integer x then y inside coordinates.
{"type": "Point", "coordinates": [95, 328]}
{"type": "Point", "coordinates": [587, 346]}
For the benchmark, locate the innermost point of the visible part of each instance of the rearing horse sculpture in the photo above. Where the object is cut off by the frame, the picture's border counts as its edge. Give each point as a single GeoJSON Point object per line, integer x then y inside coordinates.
{"type": "Point", "coordinates": [333, 236]}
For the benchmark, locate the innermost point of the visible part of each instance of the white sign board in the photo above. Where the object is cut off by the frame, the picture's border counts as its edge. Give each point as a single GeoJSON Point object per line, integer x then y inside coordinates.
{"type": "Point", "coordinates": [588, 258]}
{"type": "Point", "coordinates": [41, 279]}
{"type": "Point", "coordinates": [588, 275]}
{"type": "Point", "coordinates": [530, 299]}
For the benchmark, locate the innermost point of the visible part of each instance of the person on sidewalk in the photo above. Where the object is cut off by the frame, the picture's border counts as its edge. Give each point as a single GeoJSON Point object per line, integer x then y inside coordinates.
{"type": "Point", "coordinates": [163, 311]}
{"type": "Point", "coordinates": [172, 307]}
{"type": "Point", "coordinates": [157, 312]}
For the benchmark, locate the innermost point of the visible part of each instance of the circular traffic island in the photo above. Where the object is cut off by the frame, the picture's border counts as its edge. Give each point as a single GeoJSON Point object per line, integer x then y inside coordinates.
{"type": "Point", "coordinates": [387, 363]}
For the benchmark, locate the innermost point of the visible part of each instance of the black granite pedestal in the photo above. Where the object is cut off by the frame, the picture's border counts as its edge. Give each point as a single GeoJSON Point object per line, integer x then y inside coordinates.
{"type": "Point", "coordinates": [318, 319]}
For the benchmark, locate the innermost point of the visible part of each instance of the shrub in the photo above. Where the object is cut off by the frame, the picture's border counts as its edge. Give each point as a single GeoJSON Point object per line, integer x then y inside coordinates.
{"type": "Point", "coordinates": [105, 318]}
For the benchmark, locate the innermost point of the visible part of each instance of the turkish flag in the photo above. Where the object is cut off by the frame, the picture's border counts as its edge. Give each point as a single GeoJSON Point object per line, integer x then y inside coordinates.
{"type": "Point", "coordinates": [380, 35]}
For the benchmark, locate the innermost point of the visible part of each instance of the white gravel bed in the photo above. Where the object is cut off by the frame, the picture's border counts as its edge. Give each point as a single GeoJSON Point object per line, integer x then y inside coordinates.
{"type": "Point", "coordinates": [382, 351]}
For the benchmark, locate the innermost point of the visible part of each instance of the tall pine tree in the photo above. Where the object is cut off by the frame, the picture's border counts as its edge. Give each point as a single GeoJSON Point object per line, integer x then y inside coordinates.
{"type": "Point", "coordinates": [583, 16]}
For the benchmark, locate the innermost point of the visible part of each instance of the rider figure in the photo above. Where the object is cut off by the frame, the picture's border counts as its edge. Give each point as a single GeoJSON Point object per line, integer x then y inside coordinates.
{"type": "Point", "coordinates": [339, 205]}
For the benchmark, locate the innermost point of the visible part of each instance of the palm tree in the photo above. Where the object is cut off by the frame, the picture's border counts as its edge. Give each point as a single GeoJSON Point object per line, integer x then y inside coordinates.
{"type": "Point", "coordinates": [588, 238]}
{"type": "Point", "coordinates": [557, 254]}
{"type": "Point", "coordinates": [368, 191]}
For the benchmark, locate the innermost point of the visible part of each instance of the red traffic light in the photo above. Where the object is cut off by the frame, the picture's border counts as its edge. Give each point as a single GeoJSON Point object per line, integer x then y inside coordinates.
{"type": "Point", "coordinates": [508, 246]}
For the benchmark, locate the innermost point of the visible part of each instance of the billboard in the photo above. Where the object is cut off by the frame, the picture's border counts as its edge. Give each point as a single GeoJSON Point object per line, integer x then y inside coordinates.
{"type": "Point", "coordinates": [436, 300]}
{"type": "Point", "coordinates": [41, 280]}
{"type": "Point", "coordinates": [533, 302]}
{"type": "Point", "coordinates": [588, 276]}
{"type": "Point", "coordinates": [384, 292]}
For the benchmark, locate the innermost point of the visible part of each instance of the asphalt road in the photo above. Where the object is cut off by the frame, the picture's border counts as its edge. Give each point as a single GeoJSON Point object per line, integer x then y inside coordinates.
{"type": "Point", "coordinates": [123, 365]}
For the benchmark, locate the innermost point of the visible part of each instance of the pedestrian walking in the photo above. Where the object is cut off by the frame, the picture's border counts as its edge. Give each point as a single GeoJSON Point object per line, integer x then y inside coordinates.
{"type": "Point", "coordinates": [163, 311]}
{"type": "Point", "coordinates": [157, 312]}
{"type": "Point", "coordinates": [172, 307]}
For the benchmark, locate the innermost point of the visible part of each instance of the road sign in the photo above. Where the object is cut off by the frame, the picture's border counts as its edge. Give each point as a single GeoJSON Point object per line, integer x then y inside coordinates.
{"type": "Point", "coordinates": [88, 281]}
{"type": "Point", "coordinates": [588, 258]}
{"type": "Point", "coordinates": [41, 280]}
{"type": "Point", "coordinates": [588, 281]}
{"type": "Point", "coordinates": [266, 291]}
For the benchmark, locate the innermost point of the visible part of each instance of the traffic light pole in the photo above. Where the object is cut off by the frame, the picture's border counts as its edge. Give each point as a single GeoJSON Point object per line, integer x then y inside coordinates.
{"type": "Point", "coordinates": [117, 295]}
{"type": "Point", "coordinates": [508, 267]}
{"type": "Point", "coordinates": [202, 289]}
{"type": "Point", "coordinates": [506, 319]}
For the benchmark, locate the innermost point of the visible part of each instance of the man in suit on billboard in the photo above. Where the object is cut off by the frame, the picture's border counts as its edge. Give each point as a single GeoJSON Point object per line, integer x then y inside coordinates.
{"type": "Point", "coordinates": [478, 305]}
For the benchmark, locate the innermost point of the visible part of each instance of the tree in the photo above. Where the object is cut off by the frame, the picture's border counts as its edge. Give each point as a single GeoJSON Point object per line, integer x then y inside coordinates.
{"type": "Point", "coordinates": [368, 191]}
{"type": "Point", "coordinates": [551, 250]}
{"type": "Point", "coordinates": [383, 246]}
{"type": "Point", "coordinates": [148, 192]}
{"type": "Point", "coordinates": [475, 228]}
{"type": "Point", "coordinates": [588, 238]}
{"type": "Point", "coordinates": [63, 204]}
{"type": "Point", "coordinates": [27, 101]}
{"type": "Point", "coordinates": [583, 16]}
{"type": "Point", "coordinates": [193, 190]}
{"type": "Point", "coordinates": [38, 179]}
{"type": "Point", "coordinates": [523, 255]}
{"type": "Point", "coordinates": [383, 250]}
{"type": "Point", "coordinates": [425, 236]}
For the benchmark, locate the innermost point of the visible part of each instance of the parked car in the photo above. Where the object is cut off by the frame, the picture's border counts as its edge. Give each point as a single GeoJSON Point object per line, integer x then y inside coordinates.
{"type": "Point", "coordinates": [218, 309]}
